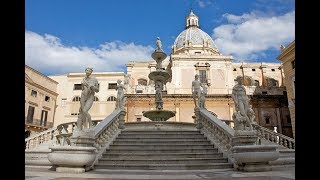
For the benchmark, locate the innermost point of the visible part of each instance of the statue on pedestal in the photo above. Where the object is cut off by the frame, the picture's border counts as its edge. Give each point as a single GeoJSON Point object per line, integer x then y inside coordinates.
{"type": "Point", "coordinates": [159, 44]}
{"type": "Point", "coordinates": [196, 91]}
{"type": "Point", "coordinates": [241, 101]}
{"type": "Point", "coordinates": [202, 99]}
{"type": "Point", "coordinates": [120, 102]}
{"type": "Point", "coordinates": [89, 87]}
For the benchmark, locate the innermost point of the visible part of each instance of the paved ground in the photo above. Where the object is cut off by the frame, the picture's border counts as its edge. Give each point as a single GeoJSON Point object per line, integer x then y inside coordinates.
{"type": "Point", "coordinates": [44, 173]}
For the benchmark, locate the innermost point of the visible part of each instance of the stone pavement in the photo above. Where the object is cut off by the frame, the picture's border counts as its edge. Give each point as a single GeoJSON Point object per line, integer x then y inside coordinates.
{"type": "Point", "coordinates": [44, 173]}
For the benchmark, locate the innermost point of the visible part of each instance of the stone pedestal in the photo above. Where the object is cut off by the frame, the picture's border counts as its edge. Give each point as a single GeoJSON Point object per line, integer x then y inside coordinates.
{"type": "Point", "coordinates": [74, 158]}
{"type": "Point", "coordinates": [243, 138]}
{"type": "Point", "coordinates": [255, 157]}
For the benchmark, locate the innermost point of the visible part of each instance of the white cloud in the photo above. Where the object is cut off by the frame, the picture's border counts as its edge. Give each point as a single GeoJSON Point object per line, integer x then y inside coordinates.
{"type": "Point", "coordinates": [48, 54]}
{"type": "Point", "coordinates": [203, 3]}
{"type": "Point", "coordinates": [248, 35]}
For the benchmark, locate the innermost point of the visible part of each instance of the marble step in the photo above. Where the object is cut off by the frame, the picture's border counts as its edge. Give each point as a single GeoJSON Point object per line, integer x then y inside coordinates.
{"type": "Point", "coordinates": [116, 161]}
{"type": "Point", "coordinates": [123, 142]}
{"type": "Point", "coordinates": [165, 166]}
{"type": "Point", "coordinates": [159, 146]}
{"type": "Point", "coordinates": [152, 155]}
{"type": "Point", "coordinates": [163, 150]}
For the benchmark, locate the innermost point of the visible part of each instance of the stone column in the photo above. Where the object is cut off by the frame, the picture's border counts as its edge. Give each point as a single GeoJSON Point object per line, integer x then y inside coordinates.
{"type": "Point", "coordinates": [177, 107]}
{"type": "Point", "coordinates": [262, 74]}
{"type": "Point", "coordinates": [282, 75]}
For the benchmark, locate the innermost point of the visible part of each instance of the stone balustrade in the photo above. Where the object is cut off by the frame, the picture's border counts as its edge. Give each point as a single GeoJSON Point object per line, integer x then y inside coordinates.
{"type": "Point", "coordinates": [45, 136]}
{"type": "Point", "coordinates": [215, 130]}
{"type": "Point", "coordinates": [274, 137]}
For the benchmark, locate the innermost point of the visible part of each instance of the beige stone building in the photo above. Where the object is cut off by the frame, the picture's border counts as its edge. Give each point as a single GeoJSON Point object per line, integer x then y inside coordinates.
{"type": "Point", "coordinates": [287, 56]}
{"type": "Point", "coordinates": [40, 101]}
{"type": "Point", "coordinates": [69, 89]}
{"type": "Point", "coordinates": [193, 52]}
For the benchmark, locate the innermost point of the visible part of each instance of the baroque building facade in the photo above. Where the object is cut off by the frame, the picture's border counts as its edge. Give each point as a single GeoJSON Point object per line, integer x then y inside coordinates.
{"type": "Point", "coordinates": [40, 101]}
{"type": "Point", "coordinates": [287, 56]}
{"type": "Point", "coordinates": [193, 52]}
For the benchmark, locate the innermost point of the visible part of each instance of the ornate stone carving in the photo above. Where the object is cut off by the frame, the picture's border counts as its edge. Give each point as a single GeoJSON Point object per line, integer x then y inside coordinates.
{"type": "Point", "coordinates": [89, 87]}
{"type": "Point", "coordinates": [121, 99]}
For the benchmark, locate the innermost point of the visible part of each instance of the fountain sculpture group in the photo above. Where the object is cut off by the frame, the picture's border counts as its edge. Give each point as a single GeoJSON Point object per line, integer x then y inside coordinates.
{"type": "Point", "coordinates": [80, 153]}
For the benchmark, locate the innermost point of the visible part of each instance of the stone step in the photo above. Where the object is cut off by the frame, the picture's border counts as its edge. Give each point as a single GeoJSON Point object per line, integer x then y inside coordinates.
{"type": "Point", "coordinates": [184, 136]}
{"type": "Point", "coordinates": [159, 146]}
{"type": "Point", "coordinates": [123, 142]}
{"type": "Point", "coordinates": [163, 150]}
{"type": "Point", "coordinates": [152, 155]}
{"type": "Point", "coordinates": [160, 132]}
{"type": "Point", "coordinates": [160, 139]}
{"type": "Point", "coordinates": [165, 166]}
{"type": "Point", "coordinates": [116, 161]}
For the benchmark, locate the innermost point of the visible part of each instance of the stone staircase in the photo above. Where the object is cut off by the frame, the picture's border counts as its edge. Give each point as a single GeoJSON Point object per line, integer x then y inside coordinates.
{"type": "Point", "coordinates": [162, 150]}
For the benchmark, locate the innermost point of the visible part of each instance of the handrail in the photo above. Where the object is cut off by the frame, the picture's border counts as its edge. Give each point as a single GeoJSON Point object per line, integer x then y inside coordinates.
{"type": "Point", "coordinates": [106, 131]}
{"type": "Point", "coordinates": [215, 130]}
{"type": "Point", "coordinates": [274, 137]}
{"type": "Point", "coordinates": [47, 135]}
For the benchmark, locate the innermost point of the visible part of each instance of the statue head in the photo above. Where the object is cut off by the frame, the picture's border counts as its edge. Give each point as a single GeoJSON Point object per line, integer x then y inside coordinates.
{"type": "Point", "coordinates": [158, 38]}
{"type": "Point", "coordinates": [196, 76]}
{"type": "Point", "coordinates": [239, 80]}
{"type": "Point", "coordinates": [88, 70]}
{"type": "Point", "coordinates": [119, 81]}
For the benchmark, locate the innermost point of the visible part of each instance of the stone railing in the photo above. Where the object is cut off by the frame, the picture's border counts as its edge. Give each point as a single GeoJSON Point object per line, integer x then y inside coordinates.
{"type": "Point", "coordinates": [106, 131]}
{"type": "Point", "coordinates": [274, 137]}
{"type": "Point", "coordinates": [36, 140]}
{"type": "Point", "coordinates": [215, 130]}
{"type": "Point", "coordinates": [50, 134]}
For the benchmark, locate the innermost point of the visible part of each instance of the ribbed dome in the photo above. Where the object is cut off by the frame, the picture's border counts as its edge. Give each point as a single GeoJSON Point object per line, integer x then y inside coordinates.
{"type": "Point", "coordinates": [195, 36]}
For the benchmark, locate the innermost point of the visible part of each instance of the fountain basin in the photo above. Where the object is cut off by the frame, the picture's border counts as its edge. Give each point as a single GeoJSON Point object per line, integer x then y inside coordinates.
{"type": "Point", "coordinates": [158, 55]}
{"type": "Point", "coordinates": [159, 115]}
{"type": "Point", "coordinates": [159, 75]}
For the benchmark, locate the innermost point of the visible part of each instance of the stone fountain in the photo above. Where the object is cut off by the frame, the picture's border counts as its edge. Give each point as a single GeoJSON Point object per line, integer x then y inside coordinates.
{"type": "Point", "coordinates": [160, 77]}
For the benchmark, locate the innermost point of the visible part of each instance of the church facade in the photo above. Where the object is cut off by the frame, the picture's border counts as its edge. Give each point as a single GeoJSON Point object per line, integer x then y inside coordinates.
{"type": "Point", "coordinates": [193, 52]}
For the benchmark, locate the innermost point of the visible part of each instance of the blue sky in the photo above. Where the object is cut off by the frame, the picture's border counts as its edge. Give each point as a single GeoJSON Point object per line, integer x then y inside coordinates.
{"type": "Point", "coordinates": [63, 36]}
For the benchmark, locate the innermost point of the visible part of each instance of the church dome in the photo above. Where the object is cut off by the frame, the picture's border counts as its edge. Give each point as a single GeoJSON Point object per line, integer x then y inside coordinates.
{"type": "Point", "coordinates": [194, 37]}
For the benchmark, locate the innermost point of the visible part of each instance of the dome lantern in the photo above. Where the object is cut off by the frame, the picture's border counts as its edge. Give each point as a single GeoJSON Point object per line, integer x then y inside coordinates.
{"type": "Point", "coordinates": [192, 20]}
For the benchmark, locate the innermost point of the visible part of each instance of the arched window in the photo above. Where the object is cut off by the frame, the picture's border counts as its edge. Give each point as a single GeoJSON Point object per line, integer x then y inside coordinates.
{"type": "Point", "coordinates": [256, 83]}
{"type": "Point", "coordinates": [76, 98]}
{"type": "Point", "coordinates": [142, 82]}
{"type": "Point", "coordinates": [111, 98]}
{"type": "Point", "coordinates": [96, 98]}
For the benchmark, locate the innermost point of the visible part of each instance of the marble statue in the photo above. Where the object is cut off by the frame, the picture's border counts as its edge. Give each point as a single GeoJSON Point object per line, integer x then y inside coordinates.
{"type": "Point", "coordinates": [202, 99]}
{"type": "Point", "coordinates": [277, 137]}
{"type": "Point", "coordinates": [241, 101]}
{"type": "Point", "coordinates": [159, 88]}
{"type": "Point", "coordinates": [120, 102]}
{"type": "Point", "coordinates": [89, 87]}
{"type": "Point", "coordinates": [251, 115]}
{"type": "Point", "coordinates": [126, 81]}
{"type": "Point", "coordinates": [196, 89]}
{"type": "Point", "coordinates": [159, 44]}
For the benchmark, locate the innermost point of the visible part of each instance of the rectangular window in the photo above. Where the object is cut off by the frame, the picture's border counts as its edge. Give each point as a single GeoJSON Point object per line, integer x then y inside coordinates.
{"type": "Point", "coordinates": [77, 87]}
{"type": "Point", "coordinates": [34, 93]}
{"type": "Point", "coordinates": [288, 119]}
{"type": "Point", "coordinates": [43, 120]}
{"type": "Point", "coordinates": [293, 64]}
{"type": "Point", "coordinates": [253, 69]}
{"type": "Point", "coordinates": [47, 98]}
{"type": "Point", "coordinates": [273, 70]}
{"type": "Point", "coordinates": [30, 114]}
{"type": "Point", "coordinates": [112, 85]}
{"type": "Point", "coordinates": [63, 102]}
{"type": "Point", "coordinates": [234, 69]}
{"type": "Point", "coordinates": [203, 76]}
{"type": "Point", "coordinates": [138, 119]}
{"type": "Point", "coordinates": [267, 119]}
